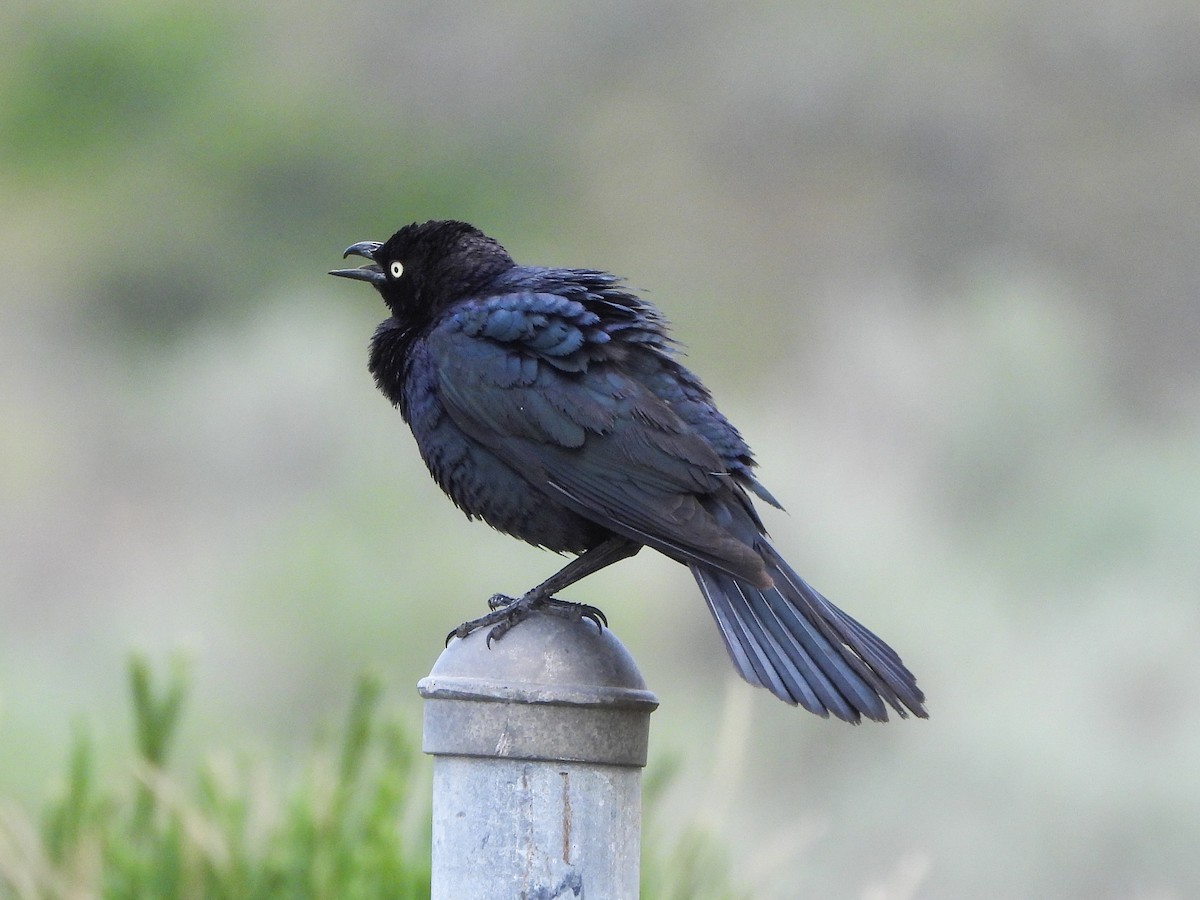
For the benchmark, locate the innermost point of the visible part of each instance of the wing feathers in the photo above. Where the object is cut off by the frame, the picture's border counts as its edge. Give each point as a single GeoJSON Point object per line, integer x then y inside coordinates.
{"type": "Point", "coordinates": [617, 453]}
{"type": "Point", "coordinates": [609, 426]}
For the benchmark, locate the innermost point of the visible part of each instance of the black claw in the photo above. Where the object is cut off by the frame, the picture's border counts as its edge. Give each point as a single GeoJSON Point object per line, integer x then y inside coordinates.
{"type": "Point", "coordinates": [571, 610]}
{"type": "Point", "coordinates": [498, 601]}
{"type": "Point", "coordinates": [498, 632]}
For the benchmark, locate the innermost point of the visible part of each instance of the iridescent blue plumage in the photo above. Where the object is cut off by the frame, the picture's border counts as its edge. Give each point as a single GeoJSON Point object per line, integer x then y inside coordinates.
{"type": "Point", "coordinates": [549, 403]}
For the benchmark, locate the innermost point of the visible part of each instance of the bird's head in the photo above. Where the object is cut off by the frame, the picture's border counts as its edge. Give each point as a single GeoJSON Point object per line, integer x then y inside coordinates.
{"type": "Point", "coordinates": [424, 267]}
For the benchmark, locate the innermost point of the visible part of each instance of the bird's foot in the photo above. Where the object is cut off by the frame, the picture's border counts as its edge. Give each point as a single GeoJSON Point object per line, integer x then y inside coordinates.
{"type": "Point", "coordinates": [508, 611]}
{"type": "Point", "coordinates": [569, 610]}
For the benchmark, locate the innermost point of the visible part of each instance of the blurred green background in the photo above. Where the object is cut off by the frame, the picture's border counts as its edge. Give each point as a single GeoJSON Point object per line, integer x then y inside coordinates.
{"type": "Point", "coordinates": [938, 262]}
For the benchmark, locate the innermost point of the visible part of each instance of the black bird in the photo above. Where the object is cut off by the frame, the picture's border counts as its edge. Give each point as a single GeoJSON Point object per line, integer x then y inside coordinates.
{"type": "Point", "coordinates": [548, 402]}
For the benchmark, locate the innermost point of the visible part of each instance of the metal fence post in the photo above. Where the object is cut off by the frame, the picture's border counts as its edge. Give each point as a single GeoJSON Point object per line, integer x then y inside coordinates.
{"type": "Point", "coordinates": [538, 745]}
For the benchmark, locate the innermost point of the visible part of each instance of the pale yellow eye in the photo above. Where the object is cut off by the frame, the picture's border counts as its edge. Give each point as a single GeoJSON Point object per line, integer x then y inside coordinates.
{"type": "Point", "coordinates": [396, 269]}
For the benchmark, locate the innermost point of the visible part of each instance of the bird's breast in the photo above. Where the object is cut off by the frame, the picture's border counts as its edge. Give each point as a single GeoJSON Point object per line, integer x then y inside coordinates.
{"type": "Point", "coordinates": [478, 482]}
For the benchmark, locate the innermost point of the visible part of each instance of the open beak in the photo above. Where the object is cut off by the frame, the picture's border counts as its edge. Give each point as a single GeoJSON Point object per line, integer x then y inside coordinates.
{"type": "Point", "coordinates": [371, 271]}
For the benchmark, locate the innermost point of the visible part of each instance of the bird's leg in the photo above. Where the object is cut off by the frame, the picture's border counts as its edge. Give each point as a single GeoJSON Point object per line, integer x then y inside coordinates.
{"type": "Point", "coordinates": [508, 611]}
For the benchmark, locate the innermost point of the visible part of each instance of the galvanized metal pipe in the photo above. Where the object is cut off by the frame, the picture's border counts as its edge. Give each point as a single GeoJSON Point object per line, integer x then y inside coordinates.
{"type": "Point", "coordinates": [538, 745]}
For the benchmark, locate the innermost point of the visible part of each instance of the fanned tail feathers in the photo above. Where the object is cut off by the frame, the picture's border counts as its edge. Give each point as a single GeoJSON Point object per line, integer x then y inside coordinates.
{"type": "Point", "coordinates": [803, 649]}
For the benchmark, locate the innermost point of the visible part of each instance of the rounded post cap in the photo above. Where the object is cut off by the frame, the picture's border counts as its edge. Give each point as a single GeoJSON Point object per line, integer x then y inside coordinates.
{"type": "Point", "coordinates": [552, 688]}
{"type": "Point", "coordinates": [545, 658]}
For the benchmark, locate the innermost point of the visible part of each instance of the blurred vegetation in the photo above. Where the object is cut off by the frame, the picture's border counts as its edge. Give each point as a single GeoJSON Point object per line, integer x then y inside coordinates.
{"type": "Point", "coordinates": [340, 833]}
{"type": "Point", "coordinates": [345, 830]}
{"type": "Point", "coordinates": [939, 266]}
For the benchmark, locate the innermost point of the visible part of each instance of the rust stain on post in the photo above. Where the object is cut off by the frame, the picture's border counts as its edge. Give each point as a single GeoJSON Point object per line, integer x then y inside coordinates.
{"type": "Point", "coordinates": [566, 812]}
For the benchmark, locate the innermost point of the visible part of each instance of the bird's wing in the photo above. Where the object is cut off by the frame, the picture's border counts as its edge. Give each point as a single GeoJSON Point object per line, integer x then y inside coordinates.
{"type": "Point", "coordinates": [534, 378]}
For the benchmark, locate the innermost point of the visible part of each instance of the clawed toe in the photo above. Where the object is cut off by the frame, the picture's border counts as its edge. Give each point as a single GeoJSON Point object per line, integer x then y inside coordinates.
{"type": "Point", "coordinates": [505, 612]}
{"type": "Point", "coordinates": [499, 601]}
{"type": "Point", "coordinates": [569, 610]}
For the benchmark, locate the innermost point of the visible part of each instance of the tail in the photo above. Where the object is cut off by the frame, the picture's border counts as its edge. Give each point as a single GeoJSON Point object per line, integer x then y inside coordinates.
{"type": "Point", "coordinates": [803, 649]}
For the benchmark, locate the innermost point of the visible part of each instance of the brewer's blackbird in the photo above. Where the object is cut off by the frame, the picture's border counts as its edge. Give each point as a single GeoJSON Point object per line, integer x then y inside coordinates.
{"type": "Point", "coordinates": [549, 403]}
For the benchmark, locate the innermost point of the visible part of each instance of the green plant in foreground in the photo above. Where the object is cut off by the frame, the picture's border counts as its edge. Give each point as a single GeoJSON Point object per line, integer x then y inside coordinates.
{"type": "Point", "coordinates": [338, 834]}
{"type": "Point", "coordinates": [345, 830]}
